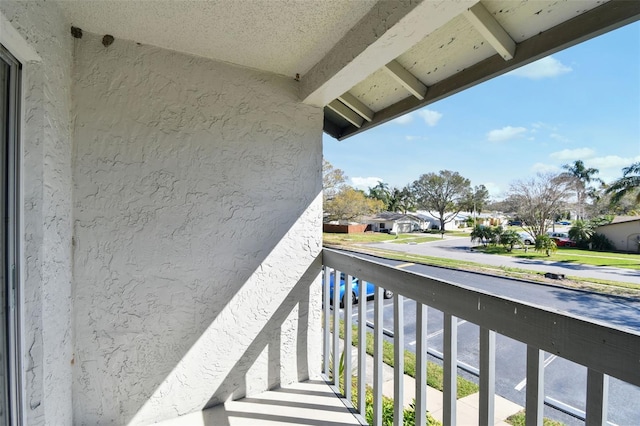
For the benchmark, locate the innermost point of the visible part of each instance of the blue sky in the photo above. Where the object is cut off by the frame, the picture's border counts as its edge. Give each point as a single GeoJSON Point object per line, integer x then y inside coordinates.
{"type": "Point", "coordinates": [582, 103]}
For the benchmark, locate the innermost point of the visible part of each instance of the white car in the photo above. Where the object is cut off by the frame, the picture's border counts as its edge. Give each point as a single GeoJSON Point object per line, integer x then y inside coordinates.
{"type": "Point", "coordinates": [527, 238]}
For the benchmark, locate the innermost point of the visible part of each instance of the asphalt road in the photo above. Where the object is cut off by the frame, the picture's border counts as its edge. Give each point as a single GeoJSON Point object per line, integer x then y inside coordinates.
{"type": "Point", "coordinates": [565, 381]}
{"type": "Point", "coordinates": [460, 248]}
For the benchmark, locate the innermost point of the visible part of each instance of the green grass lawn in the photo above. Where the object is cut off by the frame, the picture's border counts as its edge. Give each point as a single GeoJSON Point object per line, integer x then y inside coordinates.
{"type": "Point", "coordinates": [572, 255]}
{"type": "Point", "coordinates": [415, 239]}
{"type": "Point", "coordinates": [377, 237]}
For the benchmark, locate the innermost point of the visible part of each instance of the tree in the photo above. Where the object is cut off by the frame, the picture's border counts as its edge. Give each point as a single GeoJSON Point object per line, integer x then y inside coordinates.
{"type": "Point", "coordinates": [332, 180]}
{"type": "Point", "coordinates": [404, 200]}
{"type": "Point", "coordinates": [381, 192]}
{"type": "Point", "coordinates": [627, 184]}
{"type": "Point", "coordinates": [581, 233]}
{"type": "Point", "coordinates": [546, 244]}
{"type": "Point", "coordinates": [441, 193]}
{"type": "Point", "coordinates": [538, 199]}
{"type": "Point", "coordinates": [350, 204]}
{"type": "Point", "coordinates": [481, 233]}
{"type": "Point", "coordinates": [579, 177]}
{"type": "Point", "coordinates": [584, 232]}
{"type": "Point", "coordinates": [509, 238]}
{"type": "Point", "coordinates": [476, 199]}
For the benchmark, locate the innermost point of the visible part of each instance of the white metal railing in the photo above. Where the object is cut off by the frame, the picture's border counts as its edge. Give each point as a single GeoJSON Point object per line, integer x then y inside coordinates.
{"type": "Point", "coordinates": [604, 350]}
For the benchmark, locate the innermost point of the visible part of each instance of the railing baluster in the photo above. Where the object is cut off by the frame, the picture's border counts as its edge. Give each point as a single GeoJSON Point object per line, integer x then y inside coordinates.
{"type": "Point", "coordinates": [398, 359]}
{"type": "Point", "coordinates": [362, 347]}
{"type": "Point", "coordinates": [450, 385]}
{"type": "Point", "coordinates": [377, 356]}
{"type": "Point", "coordinates": [348, 288]}
{"type": "Point", "coordinates": [421, 364]}
{"type": "Point", "coordinates": [535, 386]}
{"type": "Point", "coordinates": [327, 328]}
{"type": "Point", "coordinates": [487, 376]}
{"type": "Point", "coordinates": [336, 328]}
{"type": "Point", "coordinates": [538, 328]}
{"type": "Point", "coordinates": [597, 398]}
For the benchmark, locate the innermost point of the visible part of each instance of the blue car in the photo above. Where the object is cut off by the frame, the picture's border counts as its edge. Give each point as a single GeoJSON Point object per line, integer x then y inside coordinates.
{"type": "Point", "coordinates": [355, 290]}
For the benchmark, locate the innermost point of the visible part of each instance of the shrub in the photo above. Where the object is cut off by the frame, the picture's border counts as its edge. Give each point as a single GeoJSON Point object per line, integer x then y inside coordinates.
{"type": "Point", "coordinates": [544, 243]}
{"type": "Point", "coordinates": [600, 242]}
{"type": "Point", "coordinates": [510, 238]}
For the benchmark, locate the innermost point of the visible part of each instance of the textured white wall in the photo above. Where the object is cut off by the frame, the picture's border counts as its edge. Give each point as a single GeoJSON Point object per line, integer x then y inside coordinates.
{"type": "Point", "coordinates": [47, 211]}
{"type": "Point", "coordinates": [197, 220]}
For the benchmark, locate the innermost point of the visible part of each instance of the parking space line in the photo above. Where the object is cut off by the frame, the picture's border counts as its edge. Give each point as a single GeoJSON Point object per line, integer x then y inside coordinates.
{"type": "Point", "coordinates": [523, 383]}
{"type": "Point", "coordinates": [439, 332]}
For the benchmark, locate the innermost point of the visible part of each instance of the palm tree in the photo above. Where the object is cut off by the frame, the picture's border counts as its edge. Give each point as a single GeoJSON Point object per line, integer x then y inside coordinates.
{"type": "Point", "coordinates": [627, 184]}
{"type": "Point", "coordinates": [580, 177]}
{"type": "Point", "coordinates": [381, 192]}
{"type": "Point", "coordinates": [546, 244]}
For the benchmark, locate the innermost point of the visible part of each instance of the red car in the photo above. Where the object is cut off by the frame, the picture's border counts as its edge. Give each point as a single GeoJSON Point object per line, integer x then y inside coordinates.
{"type": "Point", "coordinates": [564, 242]}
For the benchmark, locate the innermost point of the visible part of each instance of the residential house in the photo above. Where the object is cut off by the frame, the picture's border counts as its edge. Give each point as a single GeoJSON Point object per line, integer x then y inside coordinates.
{"type": "Point", "coordinates": [458, 221]}
{"type": "Point", "coordinates": [623, 232]}
{"type": "Point", "coordinates": [161, 185]}
{"type": "Point", "coordinates": [400, 223]}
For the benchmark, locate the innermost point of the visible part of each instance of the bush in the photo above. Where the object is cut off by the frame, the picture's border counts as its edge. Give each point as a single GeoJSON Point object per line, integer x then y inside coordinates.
{"type": "Point", "coordinates": [544, 243]}
{"type": "Point", "coordinates": [510, 238]}
{"type": "Point", "coordinates": [486, 234]}
{"type": "Point", "coordinates": [600, 242]}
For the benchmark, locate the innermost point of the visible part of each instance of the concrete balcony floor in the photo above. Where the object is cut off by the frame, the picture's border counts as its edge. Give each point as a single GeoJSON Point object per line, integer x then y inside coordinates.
{"type": "Point", "coordinates": [308, 403]}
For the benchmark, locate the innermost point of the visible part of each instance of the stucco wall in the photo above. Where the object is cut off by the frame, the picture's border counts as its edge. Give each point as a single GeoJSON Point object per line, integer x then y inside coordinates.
{"type": "Point", "coordinates": [624, 235]}
{"type": "Point", "coordinates": [46, 179]}
{"type": "Point", "coordinates": [197, 227]}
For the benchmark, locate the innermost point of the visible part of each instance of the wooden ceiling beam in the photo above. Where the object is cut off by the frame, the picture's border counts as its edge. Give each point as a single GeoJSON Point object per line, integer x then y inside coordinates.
{"type": "Point", "coordinates": [602, 19]}
{"type": "Point", "coordinates": [352, 102]}
{"type": "Point", "coordinates": [491, 30]}
{"type": "Point", "coordinates": [406, 79]}
{"type": "Point", "coordinates": [345, 112]}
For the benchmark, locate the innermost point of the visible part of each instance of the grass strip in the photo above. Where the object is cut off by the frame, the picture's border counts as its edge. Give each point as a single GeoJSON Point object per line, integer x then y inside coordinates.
{"type": "Point", "coordinates": [570, 255]}
{"type": "Point", "coordinates": [435, 373]}
{"type": "Point", "coordinates": [518, 419]}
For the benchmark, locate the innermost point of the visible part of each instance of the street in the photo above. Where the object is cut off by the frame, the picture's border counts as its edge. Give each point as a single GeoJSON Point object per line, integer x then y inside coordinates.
{"type": "Point", "coordinates": [460, 248]}
{"type": "Point", "coordinates": [565, 381]}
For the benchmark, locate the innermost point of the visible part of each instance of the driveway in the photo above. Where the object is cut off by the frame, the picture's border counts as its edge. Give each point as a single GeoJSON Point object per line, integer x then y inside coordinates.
{"type": "Point", "coordinates": [460, 248]}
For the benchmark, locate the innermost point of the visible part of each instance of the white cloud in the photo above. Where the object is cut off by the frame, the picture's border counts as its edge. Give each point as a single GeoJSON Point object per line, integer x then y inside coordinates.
{"type": "Point", "coordinates": [403, 119]}
{"type": "Point", "coordinates": [573, 154]}
{"type": "Point", "coordinates": [430, 117]}
{"type": "Point", "coordinates": [544, 168]}
{"type": "Point", "coordinates": [365, 183]}
{"type": "Point", "coordinates": [542, 68]}
{"type": "Point", "coordinates": [505, 134]}
{"type": "Point", "coordinates": [612, 162]}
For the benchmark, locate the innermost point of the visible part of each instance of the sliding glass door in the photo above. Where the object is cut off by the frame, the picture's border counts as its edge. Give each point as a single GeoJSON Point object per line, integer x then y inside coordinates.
{"type": "Point", "coordinates": [10, 402]}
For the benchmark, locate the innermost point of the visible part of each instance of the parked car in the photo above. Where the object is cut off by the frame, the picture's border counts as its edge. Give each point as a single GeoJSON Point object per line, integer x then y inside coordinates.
{"type": "Point", "coordinates": [563, 222]}
{"type": "Point", "coordinates": [558, 234]}
{"type": "Point", "coordinates": [526, 238]}
{"type": "Point", "coordinates": [514, 223]}
{"type": "Point", "coordinates": [355, 290]}
{"type": "Point", "coordinates": [564, 242]}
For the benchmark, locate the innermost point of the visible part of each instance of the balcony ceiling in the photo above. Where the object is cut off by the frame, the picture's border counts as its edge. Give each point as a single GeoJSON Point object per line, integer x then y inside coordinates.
{"type": "Point", "coordinates": [366, 62]}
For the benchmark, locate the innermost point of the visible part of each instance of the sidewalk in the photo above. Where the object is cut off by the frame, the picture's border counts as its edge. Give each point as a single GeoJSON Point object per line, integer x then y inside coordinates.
{"type": "Point", "coordinates": [467, 407]}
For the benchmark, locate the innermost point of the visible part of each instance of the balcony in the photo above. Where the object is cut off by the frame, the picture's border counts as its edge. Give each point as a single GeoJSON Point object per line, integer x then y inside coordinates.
{"type": "Point", "coordinates": [604, 350]}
